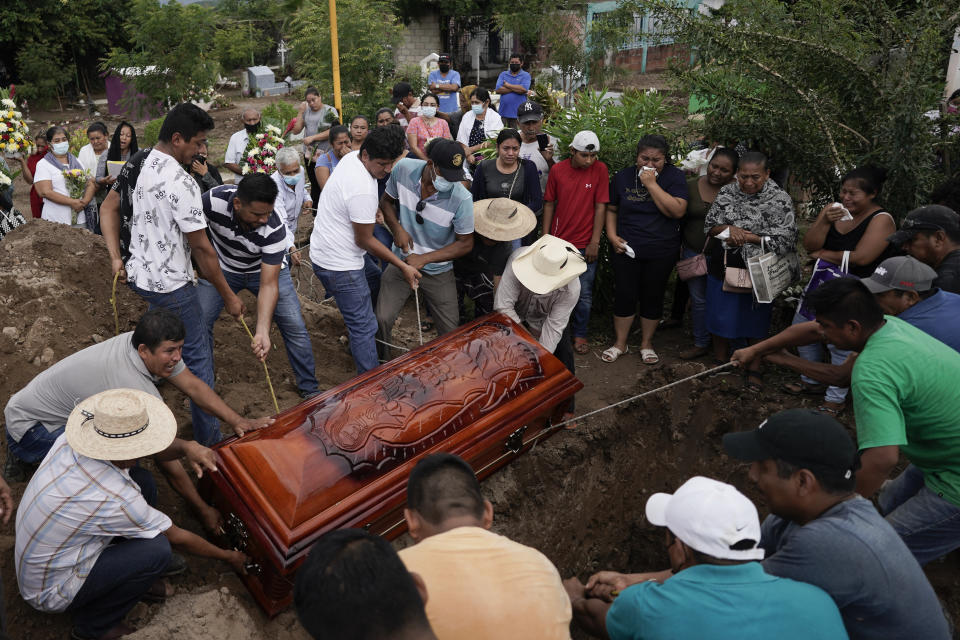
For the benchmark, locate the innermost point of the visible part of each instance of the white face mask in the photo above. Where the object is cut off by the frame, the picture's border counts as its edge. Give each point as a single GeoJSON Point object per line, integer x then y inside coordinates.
{"type": "Point", "coordinates": [429, 112]}
{"type": "Point", "coordinates": [61, 148]}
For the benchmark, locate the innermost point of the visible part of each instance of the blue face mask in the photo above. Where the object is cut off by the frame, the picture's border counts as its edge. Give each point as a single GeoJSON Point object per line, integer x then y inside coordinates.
{"type": "Point", "coordinates": [61, 148]}
{"type": "Point", "coordinates": [442, 185]}
{"type": "Point", "coordinates": [477, 108]}
{"type": "Point", "coordinates": [292, 180]}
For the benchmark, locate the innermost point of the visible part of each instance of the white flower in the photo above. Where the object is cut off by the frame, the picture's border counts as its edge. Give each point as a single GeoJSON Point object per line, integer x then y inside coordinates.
{"type": "Point", "coordinates": [269, 162]}
{"type": "Point", "coordinates": [17, 115]}
{"type": "Point", "coordinates": [7, 102]}
{"type": "Point", "coordinates": [260, 136]}
{"type": "Point", "coordinates": [272, 129]}
{"type": "Point", "coordinates": [269, 147]}
{"type": "Point", "coordinates": [3, 127]}
{"type": "Point", "coordinates": [4, 179]}
{"type": "Point", "coordinates": [252, 154]}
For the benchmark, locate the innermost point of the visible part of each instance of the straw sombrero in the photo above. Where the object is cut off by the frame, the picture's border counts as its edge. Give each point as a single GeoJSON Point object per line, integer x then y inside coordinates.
{"type": "Point", "coordinates": [120, 424]}
{"type": "Point", "coordinates": [548, 264]}
{"type": "Point", "coordinates": [503, 219]}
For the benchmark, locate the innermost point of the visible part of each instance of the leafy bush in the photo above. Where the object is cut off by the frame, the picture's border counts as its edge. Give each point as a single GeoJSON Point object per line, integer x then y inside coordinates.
{"type": "Point", "coordinates": [278, 114]}
{"type": "Point", "coordinates": [151, 133]}
{"type": "Point", "coordinates": [78, 138]}
{"type": "Point", "coordinates": [367, 100]}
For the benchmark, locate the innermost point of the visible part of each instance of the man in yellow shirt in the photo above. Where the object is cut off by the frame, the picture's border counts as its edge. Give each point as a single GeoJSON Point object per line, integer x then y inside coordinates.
{"type": "Point", "coordinates": [482, 585]}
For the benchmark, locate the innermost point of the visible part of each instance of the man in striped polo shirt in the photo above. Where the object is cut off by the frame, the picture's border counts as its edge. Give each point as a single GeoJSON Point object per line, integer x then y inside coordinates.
{"type": "Point", "coordinates": [251, 240]}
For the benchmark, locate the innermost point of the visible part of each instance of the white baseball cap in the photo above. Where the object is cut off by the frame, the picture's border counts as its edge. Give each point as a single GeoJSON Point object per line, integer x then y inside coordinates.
{"type": "Point", "coordinates": [585, 141]}
{"type": "Point", "coordinates": [710, 517]}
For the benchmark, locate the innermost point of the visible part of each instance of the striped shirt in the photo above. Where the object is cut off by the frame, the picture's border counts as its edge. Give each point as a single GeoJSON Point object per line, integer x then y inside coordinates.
{"type": "Point", "coordinates": [71, 510]}
{"type": "Point", "coordinates": [241, 251]}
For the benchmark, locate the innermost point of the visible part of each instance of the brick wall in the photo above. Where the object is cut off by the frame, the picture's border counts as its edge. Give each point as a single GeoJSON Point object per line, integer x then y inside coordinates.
{"type": "Point", "coordinates": [420, 37]}
{"type": "Point", "coordinates": [658, 58]}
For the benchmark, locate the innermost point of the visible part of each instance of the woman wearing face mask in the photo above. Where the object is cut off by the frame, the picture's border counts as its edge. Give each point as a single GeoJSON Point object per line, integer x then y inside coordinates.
{"type": "Point", "coordinates": [291, 195]}
{"type": "Point", "coordinates": [749, 214]}
{"type": "Point", "coordinates": [508, 175]}
{"type": "Point", "coordinates": [122, 146]}
{"type": "Point", "coordinates": [206, 175]}
{"type": "Point", "coordinates": [327, 160]}
{"type": "Point", "coordinates": [29, 168]}
{"type": "Point", "coordinates": [647, 201]}
{"type": "Point", "coordinates": [479, 125]}
{"type": "Point", "coordinates": [426, 126]}
{"type": "Point", "coordinates": [48, 179]}
{"type": "Point", "coordinates": [359, 127]}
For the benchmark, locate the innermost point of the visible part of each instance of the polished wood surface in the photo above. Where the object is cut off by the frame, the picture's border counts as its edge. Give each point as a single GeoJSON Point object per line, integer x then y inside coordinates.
{"type": "Point", "coordinates": [342, 458]}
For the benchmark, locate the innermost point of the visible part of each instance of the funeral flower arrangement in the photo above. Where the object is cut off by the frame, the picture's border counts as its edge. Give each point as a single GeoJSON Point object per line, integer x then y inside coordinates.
{"type": "Point", "coordinates": [260, 156]}
{"type": "Point", "coordinates": [6, 179]}
{"type": "Point", "coordinates": [14, 133]}
{"type": "Point", "coordinates": [76, 181]}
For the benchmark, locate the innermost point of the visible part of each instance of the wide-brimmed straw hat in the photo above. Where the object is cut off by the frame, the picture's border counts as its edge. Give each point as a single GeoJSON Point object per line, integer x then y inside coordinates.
{"type": "Point", "coordinates": [548, 264]}
{"type": "Point", "coordinates": [120, 424]}
{"type": "Point", "coordinates": [503, 218]}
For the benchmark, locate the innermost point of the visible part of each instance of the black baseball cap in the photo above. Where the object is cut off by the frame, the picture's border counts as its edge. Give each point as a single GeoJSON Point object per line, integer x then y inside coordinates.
{"type": "Point", "coordinates": [933, 217]}
{"type": "Point", "coordinates": [447, 157]}
{"type": "Point", "coordinates": [444, 57]}
{"type": "Point", "coordinates": [529, 111]}
{"type": "Point", "coordinates": [803, 437]}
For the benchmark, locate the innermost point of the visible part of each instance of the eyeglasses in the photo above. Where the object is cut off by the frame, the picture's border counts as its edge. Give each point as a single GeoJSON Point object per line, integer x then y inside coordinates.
{"type": "Point", "coordinates": [420, 207]}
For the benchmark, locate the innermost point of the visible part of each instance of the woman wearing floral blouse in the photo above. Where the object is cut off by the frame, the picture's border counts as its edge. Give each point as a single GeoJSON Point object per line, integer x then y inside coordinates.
{"type": "Point", "coordinates": [748, 214]}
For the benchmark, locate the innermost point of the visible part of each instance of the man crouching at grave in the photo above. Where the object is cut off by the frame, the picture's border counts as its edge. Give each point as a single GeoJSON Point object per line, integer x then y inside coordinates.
{"type": "Point", "coordinates": [88, 540]}
{"type": "Point", "coordinates": [482, 586]}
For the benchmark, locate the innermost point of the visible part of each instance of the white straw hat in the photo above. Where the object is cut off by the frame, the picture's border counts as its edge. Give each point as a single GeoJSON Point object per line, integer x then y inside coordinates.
{"type": "Point", "coordinates": [711, 517]}
{"type": "Point", "coordinates": [503, 219]}
{"type": "Point", "coordinates": [548, 264]}
{"type": "Point", "coordinates": [120, 424]}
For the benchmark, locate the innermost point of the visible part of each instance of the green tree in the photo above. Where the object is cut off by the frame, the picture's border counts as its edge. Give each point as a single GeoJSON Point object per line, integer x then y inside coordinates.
{"type": "Point", "coordinates": [248, 31]}
{"type": "Point", "coordinates": [821, 85]}
{"type": "Point", "coordinates": [173, 40]}
{"type": "Point", "coordinates": [367, 32]}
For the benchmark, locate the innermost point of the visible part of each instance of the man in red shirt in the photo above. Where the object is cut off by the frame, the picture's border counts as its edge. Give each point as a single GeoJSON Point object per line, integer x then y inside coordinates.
{"type": "Point", "coordinates": [573, 209]}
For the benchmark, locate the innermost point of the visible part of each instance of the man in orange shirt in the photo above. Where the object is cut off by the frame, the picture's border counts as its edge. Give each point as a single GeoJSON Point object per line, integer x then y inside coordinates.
{"type": "Point", "coordinates": [482, 586]}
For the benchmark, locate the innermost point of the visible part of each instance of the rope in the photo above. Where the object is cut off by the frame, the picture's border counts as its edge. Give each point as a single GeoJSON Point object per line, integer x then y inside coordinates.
{"type": "Point", "coordinates": [392, 346]}
{"type": "Point", "coordinates": [265, 370]}
{"type": "Point", "coordinates": [113, 301]}
{"type": "Point", "coordinates": [647, 393]}
{"type": "Point", "coordinates": [416, 296]}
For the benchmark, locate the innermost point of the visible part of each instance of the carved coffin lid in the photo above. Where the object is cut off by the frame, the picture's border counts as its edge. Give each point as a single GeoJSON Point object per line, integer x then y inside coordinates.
{"type": "Point", "coordinates": [340, 452]}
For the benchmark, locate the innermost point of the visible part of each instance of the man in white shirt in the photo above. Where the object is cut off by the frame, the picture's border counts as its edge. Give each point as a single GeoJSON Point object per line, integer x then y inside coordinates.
{"type": "Point", "coordinates": [539, 290]}
{"type": "Point", "coordinates": [89, 154]}
{"type": "Point", "coordinates": [343, 233]}
{"type": "Point", "coordinates": [291, 194]}
{"type": "Point", "coordinates": [88, 541]}
{"type": "Point", "coordinates": [168, 227]}
{"type": "Point", "coordinates": [233, 158]}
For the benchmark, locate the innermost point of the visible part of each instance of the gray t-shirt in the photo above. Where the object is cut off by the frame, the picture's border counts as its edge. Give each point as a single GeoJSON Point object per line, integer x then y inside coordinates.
{"type": "Point", "coordinates": [52, 395]}
{"type": "Point", "coordinates": [854, 555]}
{"type": "Point", "coordinates": [313, 123]}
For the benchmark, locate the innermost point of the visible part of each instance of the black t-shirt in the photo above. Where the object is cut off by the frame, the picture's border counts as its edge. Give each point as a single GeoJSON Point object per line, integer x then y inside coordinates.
{"type": "Point", "coordinates": [488, 260]}
{"type": "Point", "coordinates": [503, 185]}
{"type": "Point", "coordinates": [649, 232]}
{"type": "Point", "coordinates": [948, 273]}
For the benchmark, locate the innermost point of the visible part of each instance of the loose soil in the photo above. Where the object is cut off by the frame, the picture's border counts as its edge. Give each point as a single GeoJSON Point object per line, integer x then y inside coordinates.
{"type": "Point", "coordinates": [578, 497]}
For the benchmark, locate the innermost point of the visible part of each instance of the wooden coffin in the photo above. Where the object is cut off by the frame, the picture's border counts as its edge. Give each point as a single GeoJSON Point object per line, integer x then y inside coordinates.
{"type": "Point", "coordinates": [486, 392]}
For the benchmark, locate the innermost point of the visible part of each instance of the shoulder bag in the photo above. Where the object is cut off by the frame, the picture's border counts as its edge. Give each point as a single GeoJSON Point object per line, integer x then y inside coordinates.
{"type": "Point", "coordinates": [694, 266]}
{"type": "Point", "coordinates": [735, 279]}
{"type": "Point", "coordinates": [823, 271]}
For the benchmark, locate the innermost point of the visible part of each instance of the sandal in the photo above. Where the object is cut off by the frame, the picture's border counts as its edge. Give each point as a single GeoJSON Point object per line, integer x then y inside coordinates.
{"type": "Point", "coordinates": [649, 356]}
{"type": "Point", "coordinates": [753, 381]}
{"type": "Point", "coordinates": [801, 388]}
{"type": "Point", "coordinates": [694, 352]}
{"type": "Point", "coordinates": [614, 352]}
{"type": "Point", "coordinates": [831, 411]}
{"type": "Point", "coordinates": [581, 346]}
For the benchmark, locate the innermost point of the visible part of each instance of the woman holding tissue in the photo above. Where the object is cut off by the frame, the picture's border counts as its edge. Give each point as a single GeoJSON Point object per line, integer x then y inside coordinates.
{"type": "Point", "coordinates": [851, 233]}
{"type": "Point", "coordinates": [751, 215]}
{"type": "Point", "coordinates": [647, 201]}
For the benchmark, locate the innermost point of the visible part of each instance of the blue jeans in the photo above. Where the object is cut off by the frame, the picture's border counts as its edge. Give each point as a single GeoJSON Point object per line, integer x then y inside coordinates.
{"type": "Point", "coordinates": [287, 316]}
{"type": "Point", "coordinates": [197, 351]}
{"type": "Point", "coordinates": [581, 312]}
{"type": "Point", "coordinates": [372, 272]}
{"type": "Point", "coordinates": [382, 234]}
{"type": "Point", "coordinates": [814, 353]}
{"type": "Point", "coordinates": [121, 575]}
{"type": "Point", "coordinates": [698, 304]}
{"type": "Point", "coordinates": [352, 292]}
{"type": "Point", "coordinates": [928, 523]}
{"type": "Point", "coordinates": [34, 444]}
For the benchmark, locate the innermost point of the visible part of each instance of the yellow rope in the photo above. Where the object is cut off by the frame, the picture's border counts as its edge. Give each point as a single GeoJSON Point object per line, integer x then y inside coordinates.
{"type": "Point", "coordinates": [113, 301]}
{"type": "Point", "coordinates": [265, 370]}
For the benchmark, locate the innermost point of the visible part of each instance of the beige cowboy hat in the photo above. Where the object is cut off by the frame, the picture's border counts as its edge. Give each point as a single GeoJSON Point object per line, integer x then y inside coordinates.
{"type": "Point", "coordinates": [120, 424]}
{"type": "Point", "coordinates": [548, 264]}
{"type": "Point", "coordinates": [503, 218]}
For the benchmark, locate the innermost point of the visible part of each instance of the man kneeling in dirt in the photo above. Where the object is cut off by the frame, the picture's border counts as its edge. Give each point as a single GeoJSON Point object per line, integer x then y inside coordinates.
{"type": "Point", "coordinates": [482, 586]}
{"type": "Point", "coordinates": [822, 532]}
{"type": "Point", "coordinates": [36, 415]}
{"type": "Point", "coordinates": [715, 588]}
{"type": "Point", "coordinates": [88, 540]}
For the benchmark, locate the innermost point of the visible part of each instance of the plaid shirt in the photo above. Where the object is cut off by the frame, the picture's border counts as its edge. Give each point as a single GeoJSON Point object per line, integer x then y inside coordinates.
{"type": "Point", "coordinates": [72, 509]}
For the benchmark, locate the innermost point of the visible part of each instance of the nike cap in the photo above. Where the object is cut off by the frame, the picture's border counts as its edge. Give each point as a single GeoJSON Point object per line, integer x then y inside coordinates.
{"type": "Point", "coordinates": [711, 517]}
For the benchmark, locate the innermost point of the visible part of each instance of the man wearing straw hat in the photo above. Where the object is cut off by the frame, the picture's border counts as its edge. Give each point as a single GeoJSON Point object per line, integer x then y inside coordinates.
{"type": "Point", "coordinates": [497, 221]}
{"type": "Point", "coordinates": [539, 289]}
{"type": "Point", "coordinates": [88, 541]}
